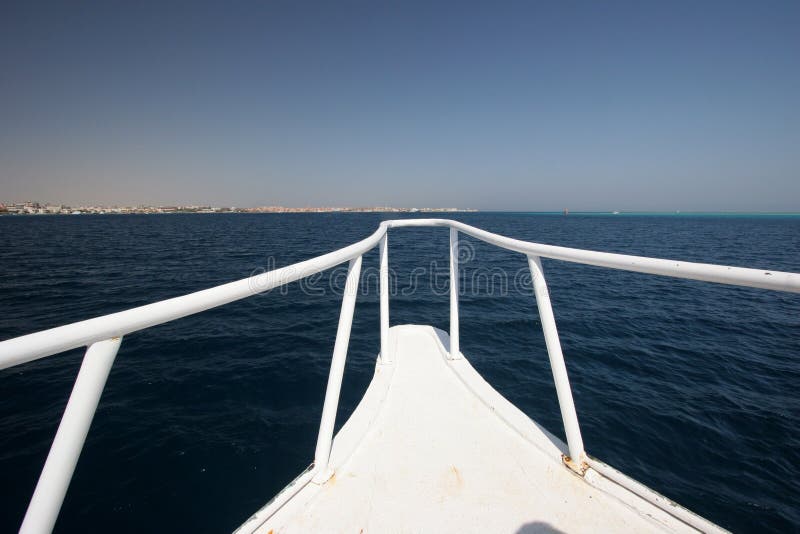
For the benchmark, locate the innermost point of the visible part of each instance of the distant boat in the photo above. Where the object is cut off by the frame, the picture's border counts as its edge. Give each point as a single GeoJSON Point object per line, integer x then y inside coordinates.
{"type": "Point", "coordinates": [566, 211]}
{"type": "Point", "coordinates": [615, 212]}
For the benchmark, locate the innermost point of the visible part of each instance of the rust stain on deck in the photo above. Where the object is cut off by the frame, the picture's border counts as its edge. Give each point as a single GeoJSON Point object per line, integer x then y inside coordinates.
{"type": "Point", "coordinates": [459, 480]}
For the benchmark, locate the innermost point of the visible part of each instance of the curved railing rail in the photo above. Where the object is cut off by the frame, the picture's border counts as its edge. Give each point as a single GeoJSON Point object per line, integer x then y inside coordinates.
{"type": "Point", "coordinates": [103, 336]}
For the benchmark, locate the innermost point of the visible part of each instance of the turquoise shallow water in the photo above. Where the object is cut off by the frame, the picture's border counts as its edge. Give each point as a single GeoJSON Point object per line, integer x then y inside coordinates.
{"type": "Point", "coordinates": [687, 386]}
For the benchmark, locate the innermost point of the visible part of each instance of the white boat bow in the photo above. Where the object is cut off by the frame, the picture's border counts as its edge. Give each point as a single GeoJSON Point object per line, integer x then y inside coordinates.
{"type": "Point", "coordinates": [431, 447]}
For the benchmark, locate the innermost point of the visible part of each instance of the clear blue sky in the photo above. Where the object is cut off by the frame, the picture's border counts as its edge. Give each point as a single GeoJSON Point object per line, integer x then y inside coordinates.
{"type": "Point", "coordinates": [523, 105]}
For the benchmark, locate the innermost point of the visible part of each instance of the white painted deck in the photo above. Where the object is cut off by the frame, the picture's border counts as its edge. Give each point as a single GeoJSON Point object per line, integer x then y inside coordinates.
{"type": "Point", "coordinates": [433, 448]}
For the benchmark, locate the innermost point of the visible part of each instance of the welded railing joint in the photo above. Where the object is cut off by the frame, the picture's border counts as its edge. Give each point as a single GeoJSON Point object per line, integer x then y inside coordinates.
{"type": "Point", "coordinates": [455, 350]}
{"type": "Point", "coordinates": [322, 471]}
{"type": "Point", "coordinates": [71, 434]}
{"type": "Point", "coordinates": [569, 416]}
{"type": "Point", "coordinates": [386, 356]}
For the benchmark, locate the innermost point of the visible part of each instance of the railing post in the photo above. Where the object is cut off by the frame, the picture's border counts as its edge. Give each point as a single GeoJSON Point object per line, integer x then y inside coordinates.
{"type": "Point", "coordinates": [66, 448]}
{"type": "Point", "coordinates": [325, 438]}
{"type": "Point", "coordinates": [455, 351]}
{"type": "Point", "coordinates": [575, 461]}
{"type": "Point", "coordinates": [384, 283]}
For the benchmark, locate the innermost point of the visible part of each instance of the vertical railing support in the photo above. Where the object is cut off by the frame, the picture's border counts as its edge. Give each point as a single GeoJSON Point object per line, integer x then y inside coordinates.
{"type": "Point", "coordinates": [384, 290]}
{"type": "Point", "coordinates": [66, 448]}
{"type": "Point", "coordinates": [575, 461]}
{"type": "Point", "coordinates": [322, 472]}
{"type": "Point", "coordinates": [455, 351]}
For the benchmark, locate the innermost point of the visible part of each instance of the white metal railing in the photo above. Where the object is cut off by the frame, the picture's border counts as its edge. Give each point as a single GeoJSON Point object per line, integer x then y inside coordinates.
{"type": "Point", "coordinates": [103, 336]}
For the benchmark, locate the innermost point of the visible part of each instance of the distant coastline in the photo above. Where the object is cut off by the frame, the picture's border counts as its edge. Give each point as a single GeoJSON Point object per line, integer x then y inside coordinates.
{"type": "Point", "coordinates": [36, 208]}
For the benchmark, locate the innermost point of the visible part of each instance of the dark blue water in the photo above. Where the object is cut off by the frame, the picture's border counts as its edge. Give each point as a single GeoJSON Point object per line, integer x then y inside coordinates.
{"type": "Point", "coordinates": [690, 387]}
